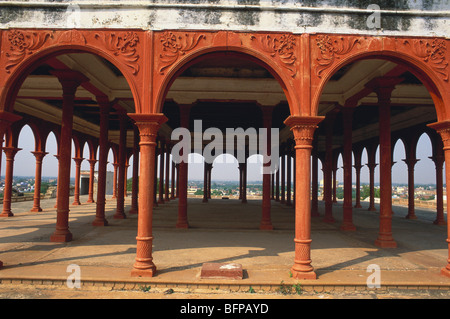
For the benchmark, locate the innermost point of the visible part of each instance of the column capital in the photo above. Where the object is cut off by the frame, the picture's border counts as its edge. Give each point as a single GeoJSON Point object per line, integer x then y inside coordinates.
{"type": "Point", "coordinates": [6, 119]}
{"type": "Point", "coordinates": [39, 154]}
{"type": "Point", "coordinates": [78, 160]}
{"type": "Point", "coordinates": [10, 152]}
{"type": "Point", "coordinates": [148, 125]}
{"type": "Point", "coordinates": [69, 79]}
{"type": "Point", "coordinates": [383, 86]}
{"type": "Point", "coordinates": [410, 162]}
{"type": "Point", "coordinates": [303, 128]}
{"type": "Point", "coordinates": [443, 129]}
{"type": "Point", "coordinates": [437, 159]}
{"type": "Point", "coordinates": [92, 161]}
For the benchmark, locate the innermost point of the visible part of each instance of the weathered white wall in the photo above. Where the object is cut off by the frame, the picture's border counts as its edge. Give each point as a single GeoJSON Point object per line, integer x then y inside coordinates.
{"type": "Point", "coordinates": [396, 17]}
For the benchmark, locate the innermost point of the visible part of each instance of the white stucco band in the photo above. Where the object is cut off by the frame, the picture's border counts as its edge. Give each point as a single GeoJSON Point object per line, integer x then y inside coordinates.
{"type": "Point", "coordinates": [406, 18]}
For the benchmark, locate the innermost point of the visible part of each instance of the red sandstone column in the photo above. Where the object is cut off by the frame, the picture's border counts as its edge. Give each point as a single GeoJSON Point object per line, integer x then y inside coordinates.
{"type": "Point", "coordinates": [10, 153]}
{"type": "Point", "coordinates": [334, 172]}
{"type": "Point", "coordinates": [358, 167]}
{"type": "Point", "coordinates": [303, 129]}
{"type": "Point", "coordinates": [411, 162]}
{"type": "Point", "coordinates": [91, 180]}
{"type": "Point", "coordinates": [166, 190]}
{"type": "Point", "coordinates": [76, 193]}
{"type": "Point", "coordinates": [277, 183]}
{"type": "Point", "coordinates": [383, 88]}
{"type": "Point", "coordinates": [161, 173]}
{"type": "Point", "coordinates": [70, 80]}
{"type": "Point", "coordinates": [443, 128]}
{"type": "Point", "coordinates": [182, 221]}
{"type": "Point", "coordinates": [100, 219]}
{"type": "Point", "coordinates": [283, 174]}
{"type": "Point", "coordinates": [148, 125]}
{"type": "Point", "coordinates": [272, 186]}
{"type": "Point", "coordinates": [347, 222]}
{"type": "Point", "coordinates": [205, 183]}
{"type": "Point", "coordinates": [358, 185]}
{"type": "Point", "coordinates": [371, 165]}
{"type": "Point", "coordinates": [6, 119]}
{"type": "Point", "coordinates": [177, 188]}
{"type": "Point", "coordinates": [266, 223]}
{"type": "Point", "coordinates": [157, 150]}
{"type": "Point", "coordinates": [288, 178]}
{"type": "Point", "coordinates": [120, 210]}
{"type": "Point", "coordinates": [244, 182]}
{"type": "Point", "coordinates": [135, 183]}
{"type": "Point", "coordinates": [116, 170]}
{"type": "Point", "coordinates": [172, 181]}
{"type": "Point", "coordinates": [439, 163]}
{"type": "Point", "coordinates": [315, 182]}
{"type": "Point", "coordinates": [210, 166]}
{"type": "Point", "coordinates": [39, 155]}
{"type": "Point", "coordinates": [327, 169]}
{"type": "Point", "coordinates": [240, 180]}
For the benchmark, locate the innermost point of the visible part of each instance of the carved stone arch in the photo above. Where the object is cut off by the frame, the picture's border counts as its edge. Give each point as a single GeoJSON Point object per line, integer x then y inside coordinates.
{"type": "Point", "coordinates": [175, 51]}
{"type": "Point", "coordinates": [115, 151]}
{"type": "Point", "coordinates": [79, 145]}
{"type": "Point", "coordinates": [426, 58]}
{"type": "Point", "coordinates": [13, 132]}
{"type": "Point", "coordinates": [92, 146]}
{"type": "Point", "coordinates": [57, 134]}
{"type": "Point", "coordinates": [25, 49]}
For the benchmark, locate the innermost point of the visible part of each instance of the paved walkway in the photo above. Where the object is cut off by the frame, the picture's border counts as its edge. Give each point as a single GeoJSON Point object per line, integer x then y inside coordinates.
{"type": "Point", "coordinates": [222, 231]}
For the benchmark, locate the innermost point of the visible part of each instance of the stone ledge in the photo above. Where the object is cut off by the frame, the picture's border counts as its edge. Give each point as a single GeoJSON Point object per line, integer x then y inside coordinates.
{"type": "Point", "coordinates": [222, 270]}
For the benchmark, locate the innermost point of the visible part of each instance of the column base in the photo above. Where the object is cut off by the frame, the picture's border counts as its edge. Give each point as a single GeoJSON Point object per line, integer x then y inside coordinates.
{"type": "Point", "coordinates": [303, 275]}
{"type": "Point", "coordinates": [445, 272]}
{"type": "Point", "coordinates": [244, 201]}
{"type": "Point", "coordinates": [120, 216]}
{"type": "Point", "coordinates": [148, 272]}
{"type": "Point", "coordinates": [61, 237]}
{"type": "Point", "coordinates": [1, 265]}
{"type": "Point", "coordinates": [440, 222]}
{"type": "Point", "coordinates": [411, 216]}
{"type": "Point", "coordinates": [328, 219]}
{"type": "Point", "coordinates": [36, 210]}
{"type": "Point", "coordinates": [182, 225]}
{"type": "Point", "coordinates": [76, 203]}
{"type": "Point", "coordinates": [133, 211]}
{"type": "Point", "coordinates": [205, 200]}
{"type": "Point", "coordinates": [348, 227]}
{"type": "Point", "coordinates": [100, 222]}
{"type": "Point", "coordinates": [6, 214]}
{"type": "Point", "coordinates": [372, 209]}
{"type": "Point", "coordinates": [90, 201]}
{"type": "Point", "coordinates": [358, 206]}
{"type": "Point", "coordinates": [386, 243]}
{"type": "Point", "coordinates": [266, 226]}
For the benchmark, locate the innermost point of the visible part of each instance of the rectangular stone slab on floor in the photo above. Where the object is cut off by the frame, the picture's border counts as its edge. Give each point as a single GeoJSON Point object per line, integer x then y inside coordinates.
{"type": "Point", "coordinates": [221, 270]}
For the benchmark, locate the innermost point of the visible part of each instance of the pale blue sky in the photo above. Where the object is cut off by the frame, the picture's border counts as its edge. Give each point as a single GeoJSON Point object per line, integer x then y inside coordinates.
{"type": "Point", "coordinates": [225, 170]}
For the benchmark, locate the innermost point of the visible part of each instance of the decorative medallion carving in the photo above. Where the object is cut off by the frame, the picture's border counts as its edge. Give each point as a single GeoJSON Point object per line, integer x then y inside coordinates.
{"type": "Point", "coordinates": [431, 52]}
{"type": "Point", "coordinates": [71, 36]}
{"type": "Point", "coordinates": [122, 45]}
{"type": "Point", "coordinates": [23, 43]}
{"type": "Point", "coordinates": [331, 48]}
{"type": "Point", "coordinates": [281, 46]}
{"type": "Point", "coordinates": [174, 46]}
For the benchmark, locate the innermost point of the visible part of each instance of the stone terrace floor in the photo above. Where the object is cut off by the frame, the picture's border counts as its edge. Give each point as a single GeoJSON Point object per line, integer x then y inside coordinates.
{"type": "Point", "coordinates": [222, 231]}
